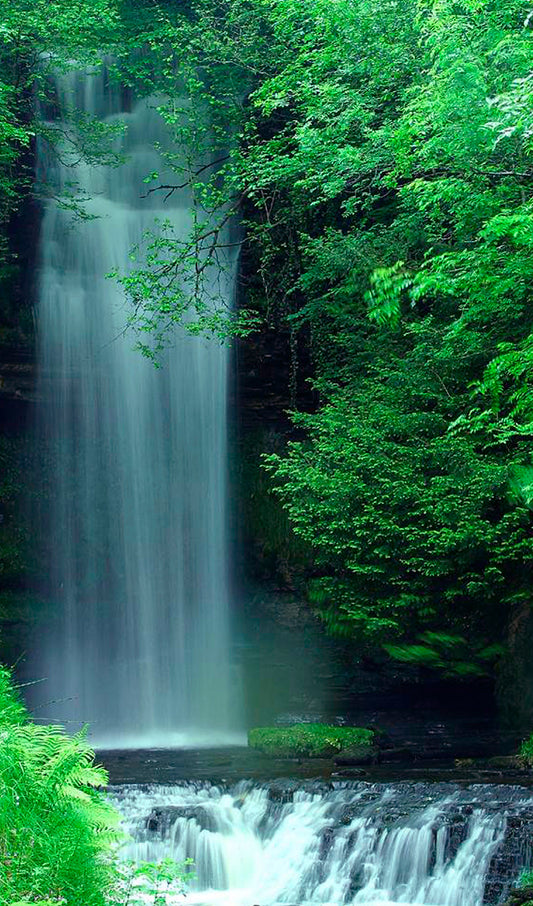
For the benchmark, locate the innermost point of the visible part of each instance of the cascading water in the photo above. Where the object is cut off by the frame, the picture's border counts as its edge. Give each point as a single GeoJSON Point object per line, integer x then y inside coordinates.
{"type": "Point", "coordinates": [335, 843]}
{"type": "Point", "coordinates": [137, 524]}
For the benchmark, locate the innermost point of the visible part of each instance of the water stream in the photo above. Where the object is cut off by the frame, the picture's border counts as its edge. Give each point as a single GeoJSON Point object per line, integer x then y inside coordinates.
{"type": "Point", "coordinates": [136, 527]}
{"type": "Point", "coordinates": [344, 842]}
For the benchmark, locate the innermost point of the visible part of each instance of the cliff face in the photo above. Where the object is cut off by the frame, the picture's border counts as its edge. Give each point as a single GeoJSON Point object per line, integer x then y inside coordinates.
{"type": "Point", "coordinates": [514, 687]}
{"type": "Point", "coordinates": [17, 394]}
{"type": "Point", "coordinates": [270, 378]}
{"type": "Point", "coordinates": [17, 381]}
{"type": "Point", "coordinates": [22, 485]}
{"type": "Point", "coordinates": [21, 476]}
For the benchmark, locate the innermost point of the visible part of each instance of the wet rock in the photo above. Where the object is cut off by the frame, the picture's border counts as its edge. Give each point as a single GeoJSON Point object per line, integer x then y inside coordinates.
{"type": "Point", "coordinates": [283, 790]}
{"type": "Point", "coordinates": [357, 755]}
{"type": "Point", "coordinates": [326, 842]}
{"type": "Point", "coordinates": [316, 787]}
{"type": "Point", "coordinates": [520, 896]}
{"type": "Point", "coordinates": [510, 858]}
{"type": "Point", "coordinates": [398, 753]}
{"type": "Point", "coordinates": [348, 815]}
{"type": "Point", "coordinates": [161, 819]}
{"type": "Point", "coordinates": [508, 763]}
{"type": "Point", "coordinates": [457, 825]}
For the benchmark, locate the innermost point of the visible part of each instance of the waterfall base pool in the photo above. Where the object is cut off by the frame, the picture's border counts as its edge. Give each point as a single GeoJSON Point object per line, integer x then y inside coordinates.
{"type": "Point", "coordinates": [334, 842]}
{"type": "Point", "coordinates": [230, 764]}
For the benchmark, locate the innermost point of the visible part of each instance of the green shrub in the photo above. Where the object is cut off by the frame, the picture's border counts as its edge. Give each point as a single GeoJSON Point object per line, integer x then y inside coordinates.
{"type": "Point", "coordinates": [526, 878]}
{"type": "Point", "coordinates": [311, 740]}
{"type": "Point", "coordinates": [526, 749]}
{"type": "Point", "coordinates": [56, 829]}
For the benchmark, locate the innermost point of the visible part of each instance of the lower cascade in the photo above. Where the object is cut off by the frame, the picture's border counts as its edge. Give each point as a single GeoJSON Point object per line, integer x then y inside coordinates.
{"type": "Point", "coordinates": [342, 842]}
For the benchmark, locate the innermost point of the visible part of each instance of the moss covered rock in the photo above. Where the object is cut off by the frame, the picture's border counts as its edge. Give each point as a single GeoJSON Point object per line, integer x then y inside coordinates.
{"type": "Point", "coordinates": [311, 740]}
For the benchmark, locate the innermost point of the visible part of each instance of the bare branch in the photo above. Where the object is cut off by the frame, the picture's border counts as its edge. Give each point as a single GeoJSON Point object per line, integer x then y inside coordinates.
{"type": "Point", "coordinates": [175, 188]}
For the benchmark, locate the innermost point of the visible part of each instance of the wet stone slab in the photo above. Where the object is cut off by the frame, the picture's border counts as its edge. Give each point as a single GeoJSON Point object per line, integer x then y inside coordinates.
{"type": "Point", "coordinates": [231, 764]}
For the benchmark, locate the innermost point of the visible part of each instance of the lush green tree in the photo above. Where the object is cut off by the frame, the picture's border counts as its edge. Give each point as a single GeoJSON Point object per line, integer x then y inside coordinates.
{"type": "Point", "coordinates": [382, 160]}
{"type": "Point", "coordinates": [406, 483]}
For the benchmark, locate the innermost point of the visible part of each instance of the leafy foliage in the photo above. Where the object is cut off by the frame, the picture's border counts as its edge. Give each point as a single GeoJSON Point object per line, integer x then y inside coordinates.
{"type": "Point", "coordinates": [384, 162]}
{"type": "Point", "coordinates": [526, 879]}
{"type": "Point", "coordinates": [58, 833]}
{"type": "Point", "coordinates": [150, 882]}
{"type": "Point", "coordinates": [526, 749]}
{"type": "Point", "coordinates": [56, 829]}
{"type": "Point", "coordinates": [35, 39]}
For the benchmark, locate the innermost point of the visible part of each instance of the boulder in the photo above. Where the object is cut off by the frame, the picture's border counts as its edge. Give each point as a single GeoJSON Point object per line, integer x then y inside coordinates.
{"type": "Point", "coordinates": [162, 818]}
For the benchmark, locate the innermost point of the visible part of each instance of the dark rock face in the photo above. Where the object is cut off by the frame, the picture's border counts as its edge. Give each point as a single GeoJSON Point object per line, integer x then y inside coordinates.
{"type": "Point", "coordinates": [509, 763]}
{"type": "Point", "coordinates": [17, 375]}
{"type": "Point", "coordinates": [457, 831]}
{"type": "Point", "coordinates": [270, 380]}
{"type": "Point", "coordinates": [519, 896]}
{"type": "Point", "coordinates": [161, 819]}
{"type": "Point", "coordinates": [358, 755]}
{"type": "Point", "coordinates": [515, 676]}
{"type": "Point", "coordinates": [403, 754]}
{"type": "Point", "coordinates": [511, 856]}
{"type": "Point", "coordinates": [283, 790]}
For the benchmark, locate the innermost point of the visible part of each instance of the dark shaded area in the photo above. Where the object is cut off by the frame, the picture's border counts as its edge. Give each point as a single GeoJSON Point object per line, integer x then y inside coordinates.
{"type": "Point", "coordinates": [510, 857]}
{"type": "Point", "coordinates": [231, 764]}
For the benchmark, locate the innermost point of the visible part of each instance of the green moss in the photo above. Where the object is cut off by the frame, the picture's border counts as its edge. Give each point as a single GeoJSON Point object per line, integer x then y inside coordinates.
{"type": "Point", "coordinates": [526, 750]}
{"type": "Point", "coordinates": [311, 740]}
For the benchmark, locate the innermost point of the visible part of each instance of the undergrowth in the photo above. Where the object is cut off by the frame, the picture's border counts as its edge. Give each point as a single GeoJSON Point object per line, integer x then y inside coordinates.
{"type": "Point", "coordinates": [526, 879]}
{"type": "Point", "coordinates": [526, 749]}
{"type": "Point", "coordinates": [57, 832]}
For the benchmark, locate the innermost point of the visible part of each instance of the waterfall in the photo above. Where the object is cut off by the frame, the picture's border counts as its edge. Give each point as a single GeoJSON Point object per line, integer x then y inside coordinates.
{"type": "Point", "coordinates": [136, 528]}
{"type": "Point", "coordinates": [335, 843]}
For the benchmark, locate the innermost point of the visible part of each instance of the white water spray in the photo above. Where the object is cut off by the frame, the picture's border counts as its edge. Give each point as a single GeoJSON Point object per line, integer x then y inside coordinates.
{"type": "Point", "coordinates": [346, 843]}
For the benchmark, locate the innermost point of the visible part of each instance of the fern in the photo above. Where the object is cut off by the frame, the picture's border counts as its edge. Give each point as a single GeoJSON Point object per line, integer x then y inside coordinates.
{"type": "Point", "coordinates": [388, 287]}
{"type": "Point", "coordinates": [57, 832]}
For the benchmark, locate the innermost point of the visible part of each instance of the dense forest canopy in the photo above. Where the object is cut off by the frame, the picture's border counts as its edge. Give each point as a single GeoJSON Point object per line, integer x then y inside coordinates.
{"type": "Point", "coordinates": [379, 156]}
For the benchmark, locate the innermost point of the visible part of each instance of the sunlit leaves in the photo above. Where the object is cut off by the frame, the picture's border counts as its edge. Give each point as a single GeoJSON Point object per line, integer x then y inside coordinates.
{"type": "Point", "coordinates": [384, 298]}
